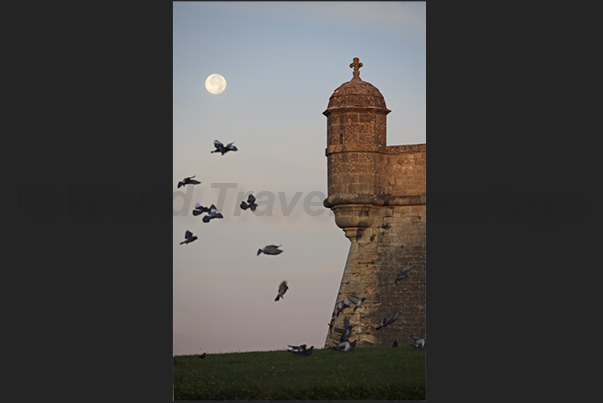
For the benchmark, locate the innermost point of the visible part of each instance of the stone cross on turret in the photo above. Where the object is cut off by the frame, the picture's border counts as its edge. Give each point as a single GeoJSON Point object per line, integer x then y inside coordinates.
{"type": "Point", "coordinates": [356, 66]}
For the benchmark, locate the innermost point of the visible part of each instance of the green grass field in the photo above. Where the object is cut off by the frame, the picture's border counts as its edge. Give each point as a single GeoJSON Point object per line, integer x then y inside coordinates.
{"type": "Point", "coordinates": [366, 373]}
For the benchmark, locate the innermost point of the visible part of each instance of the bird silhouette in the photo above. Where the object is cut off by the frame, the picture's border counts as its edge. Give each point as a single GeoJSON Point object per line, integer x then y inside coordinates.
{"type": "Point", "coordinates": [202, 356]}
{"type": "Point", "coordinates": [199, 209]}
{"type": "Point", "coordinates": [221, 148]}
{"type": "Point", "coordinates": [213, 213]}
{"type": "Point", "coordinates": [388, 319]}
{"type": "Point", "coordinates": [356, 300]}
{"type": "Point", "coordinates": [188, 237]}
{"type": "Point", "coordinates": [250, 203]}
{"type": "Point", "coordinates": [419, 342]}
{"type": "Point", "coordinates": [282, 289]}
{"type": "Point", "coordinates": [402, 275]}
{"type": "Point", "coordinates": [270, 250]}
{"type": "Point", "coordinates": [341, 305]}
{"type": "Point", "coordinates": [395, 343]}
{"type": "Point", "coordinates": [188, 181]}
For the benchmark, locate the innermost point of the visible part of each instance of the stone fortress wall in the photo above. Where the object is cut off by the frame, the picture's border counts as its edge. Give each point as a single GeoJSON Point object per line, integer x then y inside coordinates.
{"type": "Point", "coordinates": [377, 193]}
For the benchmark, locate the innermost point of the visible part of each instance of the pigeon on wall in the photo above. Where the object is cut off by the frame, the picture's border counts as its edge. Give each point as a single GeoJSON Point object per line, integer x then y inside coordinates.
{"type": "Point", "coordinates": [188, 238]}
{"type": "Point", "coordinates": [341, 305]}
{"type": "Point", "coordinates": [188, 181]}
{"type": "Point", "coordinates": [388, 319]}
{"type": "Point", "coordinates": [402, 275]}
{"type": "Point", "coordinates": [221, 148]}
{"type": "Point", "coordinates": [356, 300]}
{"type": "Point", "coordinates": [270, 250]}
{"type": "Point", "coordinates": [250, 204]}
{"type": "Point", "coordinates": [282, 289]}
{"type": "Point", "coordinates": [346, 332]}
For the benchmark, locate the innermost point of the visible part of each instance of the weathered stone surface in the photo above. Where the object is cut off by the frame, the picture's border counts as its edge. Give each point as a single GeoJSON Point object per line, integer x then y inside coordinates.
{"type": "Point", "coordinates": [377, 193]}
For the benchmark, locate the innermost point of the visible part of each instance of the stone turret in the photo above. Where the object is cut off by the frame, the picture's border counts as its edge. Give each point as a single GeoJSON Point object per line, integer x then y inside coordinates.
{"type": "Point", "coordinates": [377, 193]}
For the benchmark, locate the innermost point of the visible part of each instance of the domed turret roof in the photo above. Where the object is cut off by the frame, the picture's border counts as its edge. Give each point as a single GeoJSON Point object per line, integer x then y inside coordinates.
{"type": "Point", "coordinates": [356, 93]}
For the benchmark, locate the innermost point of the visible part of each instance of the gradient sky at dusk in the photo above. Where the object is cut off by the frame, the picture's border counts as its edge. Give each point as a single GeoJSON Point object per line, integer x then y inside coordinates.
{"type": "Point", "coordinates": [282, 61]}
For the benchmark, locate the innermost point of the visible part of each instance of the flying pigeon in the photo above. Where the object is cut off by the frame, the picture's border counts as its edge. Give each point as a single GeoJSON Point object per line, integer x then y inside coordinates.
{"type": "Point", "coordinates": [356, 300]}
{"type": "Point", "coordinates": [270, 250]}
{"type": "Point", "coordinates": [419, 342]}
{"type": "Point", "coordinates": [342, 305]}
{"type": "Point", "coordinates": [346, 332]}
{"type": "Point", "coordinates": [188, 181]}
{"type": "Point", "coordinates": [221, 148]}
{"type": "Point", "coordinates": [402, 274]}
{"type": "Point", "coordinates": [213, 213]}
{"type": "Point", "coordinates": [344, 346]}
{"type": "Point", "coordinates": [395, 343]}
{"type": "Point", "coordinates": [388, 319]}
{"type": "Point", "coordinates": [199, 209]}
{"type": "Point", "coordinates": [189, 237]}
{"type": "Point", "coordinates": [282, 289]}
{"type": "Point", "coordinates": [250, 203]}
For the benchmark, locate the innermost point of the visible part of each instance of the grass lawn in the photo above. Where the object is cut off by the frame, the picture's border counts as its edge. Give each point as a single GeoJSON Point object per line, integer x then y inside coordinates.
{"type": "Point", "coordinates": [365, 373]}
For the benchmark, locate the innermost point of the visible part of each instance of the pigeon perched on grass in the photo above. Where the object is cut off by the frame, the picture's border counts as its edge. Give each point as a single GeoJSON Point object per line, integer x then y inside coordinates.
{"type": "Point", "coordinates": [296, 349]}
{"type": "Point", "coordinates": [270, 250]}
{"type": "Point", "coordinates": [402, 275]}
{"type": "Point", "coordinates": [301, 350]}
{"type": "Point", "coordinates": [282, 289]}
{"type": "Point", "coordinates": [202, 356]}
{"type": "Point", "coordinates": [188, 181]}
{"type": "Point", "coordinates": [346, 332]}
{"type": "Point", "coordinates": [341, 305]}
{"type": "Point", "coordinates": [188, 237]}
{"type": "Point", "coordinates": [213, 213]}
{"type": "Point", "coordinates": [199, 209]}
{"type": "Point", "coordinates": [419, 342]}
{"type": "Point", "coordinates": [250, 203]}
{"type": "Point", "coordinates": [344, 346]}
{"type": "Point", "coordinates": [356, 300]}
{"type": "Point", "coordinates": [388, 319]}
{"type": "Point", "coordinates": [395, 343]}
{"type": "Point", "coordinates": [221, 148]}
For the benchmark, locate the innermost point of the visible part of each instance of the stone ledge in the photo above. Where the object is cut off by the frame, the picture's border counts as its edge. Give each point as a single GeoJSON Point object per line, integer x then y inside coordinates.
{"type": "Point", "coordinates": [353, 198]}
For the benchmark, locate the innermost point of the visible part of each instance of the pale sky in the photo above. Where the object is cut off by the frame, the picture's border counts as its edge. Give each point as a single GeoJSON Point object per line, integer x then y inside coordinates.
{"type": "Point", "coordinates": [281, 61]}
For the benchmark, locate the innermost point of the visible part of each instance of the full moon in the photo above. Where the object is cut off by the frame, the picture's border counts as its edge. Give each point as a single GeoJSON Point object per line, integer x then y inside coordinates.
{"type": "Point", "coordinates": [215, 84]}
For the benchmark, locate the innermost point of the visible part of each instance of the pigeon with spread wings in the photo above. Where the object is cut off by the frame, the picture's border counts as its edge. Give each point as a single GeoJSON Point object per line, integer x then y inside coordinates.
{"type": "Point", "coordinates": [188, 238]}
{"type": "Point", "coordinates": [188, 181]}
{"type": "Point", "coordinates": [356, 300]}
{"type": "Point", "coordinates": [250, 204]}
{"type": "Point", "coordinates": [402, 275]}
{"type": "Point", "coordinates": [213, 213]}
{"type": "Point", "coordinates": [270, 250]}
{"type": "Point", "coordinates": [221, 148]}
{"type": "Point", "coordinates": [388, 319]}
